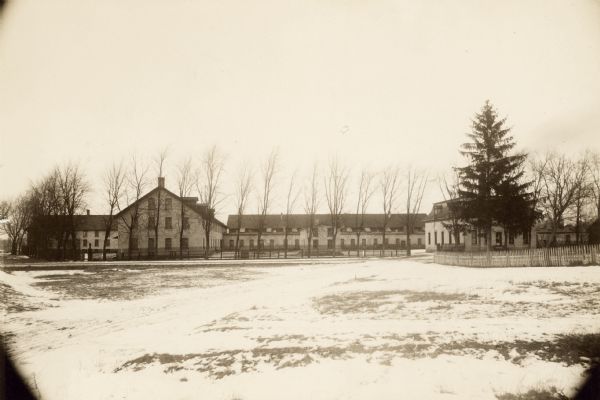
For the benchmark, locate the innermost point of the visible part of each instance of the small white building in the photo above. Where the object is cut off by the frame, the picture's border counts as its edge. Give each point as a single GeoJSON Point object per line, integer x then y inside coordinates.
{"type": "Point", "coordinates": [438, 236]}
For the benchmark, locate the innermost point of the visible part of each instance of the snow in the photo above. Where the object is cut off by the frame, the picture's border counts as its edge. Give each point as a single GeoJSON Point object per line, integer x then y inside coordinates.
{"type": "Point", "coordinates": [321, 331]}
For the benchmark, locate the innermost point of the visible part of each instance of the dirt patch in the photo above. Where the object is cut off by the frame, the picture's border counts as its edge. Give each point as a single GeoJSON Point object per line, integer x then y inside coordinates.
{"type": "Point", "coordinates": [12, 301]}
{"type": "Point", "coordinates": [535, 394]}
{"type": "Point", "coordinates": [128, 284]}
{"type": "Point", "coordinates": [388, 300]}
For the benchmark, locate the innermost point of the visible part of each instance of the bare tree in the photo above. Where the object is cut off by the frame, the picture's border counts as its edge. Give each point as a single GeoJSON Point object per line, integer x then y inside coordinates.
{"type": "Point", "coordinates": [17, 217]}
{"type": "Point", "coordinates": [450, 193]}
{"type": "Point", "coordinates": [595, 181]}
{"type": "Point", "coordinates": [5, 207]}
{"type": "Point", "coordinates": [311, 204]}
{"type": "Point", "coordinates": [185, 183]}
{"type": "Point", "coordinates": [365, 192]}
{"type": "Point", "coordinates": [45, 205]}
{"type": "Point", "coordinates": [583, 193]}
{"type": "Point", "coordinates": [389, 188]}
{"type": "Point", "coordinates": [242, 191]}
{"type": "Point", "coordinates": [416, 181]}
{"type": "Point", "coordinates": [292, 197]}
{"type": "Point", "coordinates": [335, 194]}
{"type": "Point", "coordinates": [560, 179]}
{"type": "Point", "coordinates": [113, 186]}
{"type": "Point", "coordinates": [159, 164]}
{"type": "Point", "coordinates": [211, 169]}
{"type": "Point", "coordinates": [73, 190]}
{"type": "Point", "coordinates": [268, 172]}
{"type": "Point", "coordinates": [136, 181]}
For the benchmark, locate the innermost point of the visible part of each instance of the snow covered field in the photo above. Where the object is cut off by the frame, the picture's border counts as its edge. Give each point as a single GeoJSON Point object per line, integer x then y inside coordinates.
{"type": "Point", "coordinates": [356, 330]}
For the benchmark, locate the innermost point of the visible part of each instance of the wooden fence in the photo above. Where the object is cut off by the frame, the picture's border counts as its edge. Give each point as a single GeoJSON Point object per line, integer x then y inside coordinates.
{"type": "Point", "coordinates": [543, 257]}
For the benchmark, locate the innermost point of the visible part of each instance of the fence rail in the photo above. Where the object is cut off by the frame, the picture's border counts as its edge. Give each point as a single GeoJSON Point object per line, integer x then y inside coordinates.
{"type": "Point", "coordinates": [543, 257]}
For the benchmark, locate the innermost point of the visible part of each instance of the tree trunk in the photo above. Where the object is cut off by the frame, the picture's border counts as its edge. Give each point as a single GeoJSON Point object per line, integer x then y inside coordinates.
{"type": "Point", "coordinates": [107, 234]}
{"type": "Point", "coordinates": [285, 242]}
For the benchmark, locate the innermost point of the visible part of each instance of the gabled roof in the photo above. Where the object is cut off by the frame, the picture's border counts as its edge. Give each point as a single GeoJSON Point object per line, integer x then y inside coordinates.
{"type": "Point", "coordinates": [199, 209]}
{"type": "Point", "coordinates": [252, 221]}
{"type": "Point", "coordinates": [82, 222]}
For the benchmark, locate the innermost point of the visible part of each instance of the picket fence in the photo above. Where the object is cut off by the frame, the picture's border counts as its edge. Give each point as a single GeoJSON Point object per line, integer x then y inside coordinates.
{"type": "Point", "coordinates": [542, 257]}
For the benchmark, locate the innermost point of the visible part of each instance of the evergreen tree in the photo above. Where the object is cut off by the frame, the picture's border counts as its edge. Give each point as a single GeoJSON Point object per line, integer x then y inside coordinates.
{"type": "Point", "coordinates": [491, 188]}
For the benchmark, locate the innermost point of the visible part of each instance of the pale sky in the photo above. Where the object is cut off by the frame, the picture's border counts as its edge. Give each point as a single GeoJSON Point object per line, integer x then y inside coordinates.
{"type": "Point", "coordinates": [374, 82]}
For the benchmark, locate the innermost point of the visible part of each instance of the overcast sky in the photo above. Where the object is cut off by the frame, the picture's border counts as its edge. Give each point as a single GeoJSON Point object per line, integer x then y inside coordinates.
{"type": "Point", "coordinates": [375, 82]}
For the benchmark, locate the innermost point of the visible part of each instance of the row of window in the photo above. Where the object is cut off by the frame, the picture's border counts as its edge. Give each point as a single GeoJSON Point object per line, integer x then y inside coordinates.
{"type": "Point", "coordinates": [168, 222]}
{"type": "Point", "coordinates": [168, 203]}
{"type": "Point", "coordinates": [474, 240]}
{"type": "Point", "coordinates": [168, 243]}
{"type": "Point", "coordinates": [85, 243]}
{"type": "Point", "coordinates": [315, 243]}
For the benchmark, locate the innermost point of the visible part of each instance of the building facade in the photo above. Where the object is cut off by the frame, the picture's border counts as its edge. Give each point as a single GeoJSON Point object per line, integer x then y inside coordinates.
{"type": "Point", "coordinates": [180, 224]}
{"type": "Point", "coordinates": [366, 232]}
{"type": "Point", "coordinates": [439, 225]}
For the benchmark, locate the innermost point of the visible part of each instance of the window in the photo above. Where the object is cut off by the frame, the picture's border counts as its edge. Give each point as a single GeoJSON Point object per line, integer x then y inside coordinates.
{"type": "Point", "coordinates": [329, 231]}
{"type": "Point", "coordinates": [428, 237]}
{"type": "Point", "coordinates": [449, 238]}
{"type": "Point", "coordinates": [473, 237]}
{"type": "Point", "coordinates": [387, 241]}
{"type": "Point", "coordinates": [352, 242]}
{"type": "Point", "coordinates": [97, 234]}
{"type": "Point", "coordinates": [186, 223]}
{"type": "Point", "coordinates": [150, 243]}
{"type": "Point", "coordinates": [231, 244]}
{"type": "Point", "coordinates": [403, 243]}
{"type": "Point", "coordinates": [96, 243]}
{"type": "Point", "coordinates": [150, 221]}
{"type": "Point", "coordinates": [134, 243]}
{"type": "Point", "coordinates": [435, 237]}
{"type": "Point", "coordinates": [419, 242]}
{"type": "Point", "coordinates": [84, 233]}
{"type": "Point", "coordinates": [272, 243]}
{"type": "Point", "coordinates": [297, 243]}
{"type": "Point", "coordinates": [107, 243]}
{"type": "Point", "coordinates": [511, 238]}
{"type": "Point", "coordinates": [316, 243]}
{"type": "Point", "coordinates": [443, 237]}
{"type": "Point", "coordinates": [526, 238]}
{"type": "Point", "coordinates": [85, 243]}
{"type": "Point", "coordinates": [261, 244]}
{"type": "Point", "coordinates": [342, 243]}
{"type": "Point", "coordinates": [168, 243]}
{"type": "Point", "coordinates": [251, 243]}
{"type": "Point", "coordinates": [168, 222]}
{"type": "Point", "coordinates": [375, 242]}
{"type": "Point", "coordinates": [168, 203]}
{"type": "Point", "coordinates": [498, 238]}
{"type": "Point", "coordinates": [397, 241]}
{"type": "Point", "coordinates": [364, 242]}
{"type": "Point", "coordinates": [151, 203]}
{"type": "Point", "coordinates": [241, 243]}
{"type": "Point", "coordinates": [185, 244]}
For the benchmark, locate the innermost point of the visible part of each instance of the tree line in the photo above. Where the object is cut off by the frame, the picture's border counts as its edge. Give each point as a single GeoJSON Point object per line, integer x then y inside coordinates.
{"type": "Point", "coordinates": [48, 209]}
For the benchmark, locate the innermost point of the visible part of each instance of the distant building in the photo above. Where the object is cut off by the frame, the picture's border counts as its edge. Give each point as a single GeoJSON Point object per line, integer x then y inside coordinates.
{"type": "Point", "coordinates": [438, 227]}
{"type": "Point", "coordinates": [564, 236]}
{"type": "Point", "coordinates": [273, 232]}
{"type": "Point", "coordinates": [53, 235]}
{"type": "Point", "coordinates": [169, 209]}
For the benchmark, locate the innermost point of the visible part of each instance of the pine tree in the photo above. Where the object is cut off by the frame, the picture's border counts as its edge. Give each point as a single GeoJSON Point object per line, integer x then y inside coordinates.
{"type": "Point", "coordinates": [491, 189]}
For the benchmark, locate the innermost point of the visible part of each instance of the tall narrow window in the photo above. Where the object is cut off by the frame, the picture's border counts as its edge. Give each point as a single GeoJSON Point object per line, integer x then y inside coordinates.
{"type": "Point", "coordinates": [185, 243]}
{"type": "Point", "coordinates": [168, 203]}
{"type": "Point", "coordinates": [168, 243]}
{"type": "Point", "coordinates": [168, 222]}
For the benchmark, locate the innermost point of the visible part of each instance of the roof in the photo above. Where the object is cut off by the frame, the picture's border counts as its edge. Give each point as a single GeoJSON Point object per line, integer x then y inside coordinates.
{"type": "Point", "coordinates": [252, 221]}
{"type": "Point", "coordinates": [190, 202]}
{"type": "Point", "coordinates": [82, 222]}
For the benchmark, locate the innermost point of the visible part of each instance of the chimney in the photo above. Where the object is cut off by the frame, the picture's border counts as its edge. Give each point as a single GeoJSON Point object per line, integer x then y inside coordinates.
{"type": "Point", "coordinates": [88, 211]}
{"type": "Point", "coordinates": [161, 182]}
